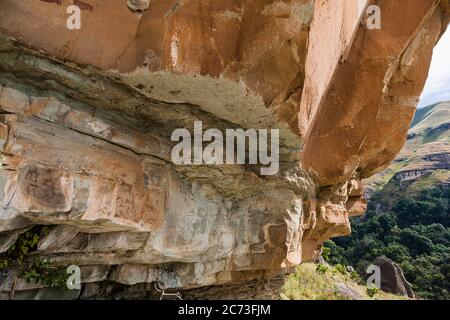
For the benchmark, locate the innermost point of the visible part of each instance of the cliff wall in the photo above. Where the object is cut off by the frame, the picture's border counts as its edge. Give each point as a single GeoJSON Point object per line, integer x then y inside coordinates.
{"type": "Point", "coordinates": [88, 114]}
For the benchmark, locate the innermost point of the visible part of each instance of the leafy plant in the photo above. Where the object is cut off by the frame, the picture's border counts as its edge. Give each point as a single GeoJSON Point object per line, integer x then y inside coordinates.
{"type": "Point", "coordinates": [321, 268]}
{"type": "Point", "coordinates": [17, 253]}
{"type": "Point", "coordinates": [32, 268]}
{"type": "Point", "coordinates": [4, 264]}
{"type": "Point", "coordinates": [326, 253]}
{"type": "Point", "coordinates": [372, 291]}
{"type": "Point", "coordinates": [40, 271]}
{"type": "Point", "coordinates": [355, 276]}
{"type": "Point", "coordinates": [341, 269]}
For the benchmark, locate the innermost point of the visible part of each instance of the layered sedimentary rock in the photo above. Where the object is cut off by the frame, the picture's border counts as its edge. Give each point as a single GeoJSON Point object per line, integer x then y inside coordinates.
{"type": "Point", "coordinates": [87, 118]}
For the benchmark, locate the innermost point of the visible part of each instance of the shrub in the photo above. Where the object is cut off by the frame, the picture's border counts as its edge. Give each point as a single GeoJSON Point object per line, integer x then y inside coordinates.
{"type": "Point", "coordinates": [321, 268]}
{"type": "Point", "coordinates": [31, 268]}
{"type": "Point", "coordinates": [341, 269]}
{"type": "Point", "coordinates": [372, 290]}
{"type": "Point", "coordinates": [40, 271]}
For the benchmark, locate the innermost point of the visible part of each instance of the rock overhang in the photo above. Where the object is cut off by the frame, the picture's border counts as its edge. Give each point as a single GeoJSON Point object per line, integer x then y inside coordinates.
{"type": "Point", "coordinates": [164, 68]}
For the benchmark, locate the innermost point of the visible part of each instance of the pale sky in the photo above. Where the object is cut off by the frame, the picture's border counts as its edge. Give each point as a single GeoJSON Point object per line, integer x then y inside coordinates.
{"type": "Point", "coordinates": [437, 88]}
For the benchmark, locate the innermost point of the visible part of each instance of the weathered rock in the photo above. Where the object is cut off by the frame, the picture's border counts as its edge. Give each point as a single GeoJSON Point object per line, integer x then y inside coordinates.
{"type": "Point", "coordinates": [385, 82]}
{"type": "Point", "coordinates": [57, 237]}
{"type": "Point", "coordinates": [87, 117]}
{"type": "Point", "coordinates": [356, 206]}
{"type": "Point", "coordinates": [8, 238]}
{"type": "Point", "coordinates": [392, 278]}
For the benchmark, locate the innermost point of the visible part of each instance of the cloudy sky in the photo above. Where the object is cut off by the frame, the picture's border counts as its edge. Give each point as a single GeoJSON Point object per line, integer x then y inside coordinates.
{"type": "Point", "coordinates": [437, 88]}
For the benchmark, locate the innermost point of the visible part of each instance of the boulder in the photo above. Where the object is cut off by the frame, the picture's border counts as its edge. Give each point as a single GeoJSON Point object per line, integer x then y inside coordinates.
{"type": "Point", "coordinates": [392, 278]}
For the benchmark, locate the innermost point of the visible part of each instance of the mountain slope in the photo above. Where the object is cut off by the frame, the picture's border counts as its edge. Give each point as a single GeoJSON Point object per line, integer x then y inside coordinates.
{"type": "Point", "coordinates": [424, 161]}
{"type": "Point", "coordinates": [325, 282]}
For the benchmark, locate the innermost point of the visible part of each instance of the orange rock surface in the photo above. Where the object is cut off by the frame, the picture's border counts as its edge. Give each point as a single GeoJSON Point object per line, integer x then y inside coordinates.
{"type": "Point", "coordinates": [87, 117]}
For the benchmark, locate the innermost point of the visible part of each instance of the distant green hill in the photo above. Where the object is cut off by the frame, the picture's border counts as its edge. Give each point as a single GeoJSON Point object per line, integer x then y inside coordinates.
{"type": "Point", "coordinates": [422, 113]}
{"type": "Point", "coordinates": [424, 161]}
{"type": "Point", "coordinates": [431, 117]}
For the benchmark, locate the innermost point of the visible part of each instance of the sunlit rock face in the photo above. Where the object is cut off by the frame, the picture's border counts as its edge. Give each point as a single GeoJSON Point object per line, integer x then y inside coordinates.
{"type": "Point", "coordinates": [87, 117]}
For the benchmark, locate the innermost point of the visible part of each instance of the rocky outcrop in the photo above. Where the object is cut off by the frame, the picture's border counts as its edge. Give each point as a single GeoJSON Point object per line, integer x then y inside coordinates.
{"type": "Point", "coordinates": [87, 118]}
{"type": "Point", "coordinates": [429, 157]}
{"type": "Point", "coordinates": [392, 278]}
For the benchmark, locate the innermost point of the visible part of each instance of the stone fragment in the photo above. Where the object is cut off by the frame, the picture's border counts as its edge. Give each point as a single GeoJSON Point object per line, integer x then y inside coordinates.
{"type": "Point", "coordinates": [356, 206]}
{"type": "Point", "coordinates": [13, 101]}
{"type": "Point", "coordinates": [355, 188]}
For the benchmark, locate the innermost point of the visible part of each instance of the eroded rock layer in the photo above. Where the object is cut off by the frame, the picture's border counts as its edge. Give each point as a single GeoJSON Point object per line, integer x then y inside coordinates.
{"type": "Point", "coordinates": [87, 117]}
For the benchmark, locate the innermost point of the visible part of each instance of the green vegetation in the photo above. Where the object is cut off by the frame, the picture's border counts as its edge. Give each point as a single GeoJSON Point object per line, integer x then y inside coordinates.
{"type": "Point", "coordinates": [325, 282]}
{"type": "Point", "coordinates": [422, 114]}
{"type": "Point", "coordinates": [414, 232]}
{"type": "Point", "coordinates": [40, 271]}
{"type": "Point", "coordinates": [431, 117]}
{"type": "Point", "coordinates": [31, 268]}
{"type": "Point", "coordinates": [321, 268]}
{"type": "Point", "coordinates": [372, 291]}
{"type": "Point", "coordinates": [429, 180]}
{"type": "Point", "coordinates": [18, 252]}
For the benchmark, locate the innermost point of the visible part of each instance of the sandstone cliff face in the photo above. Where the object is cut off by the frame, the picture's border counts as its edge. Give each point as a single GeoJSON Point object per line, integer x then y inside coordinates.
{"type": "Point", "coordinates": [87, 117]}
